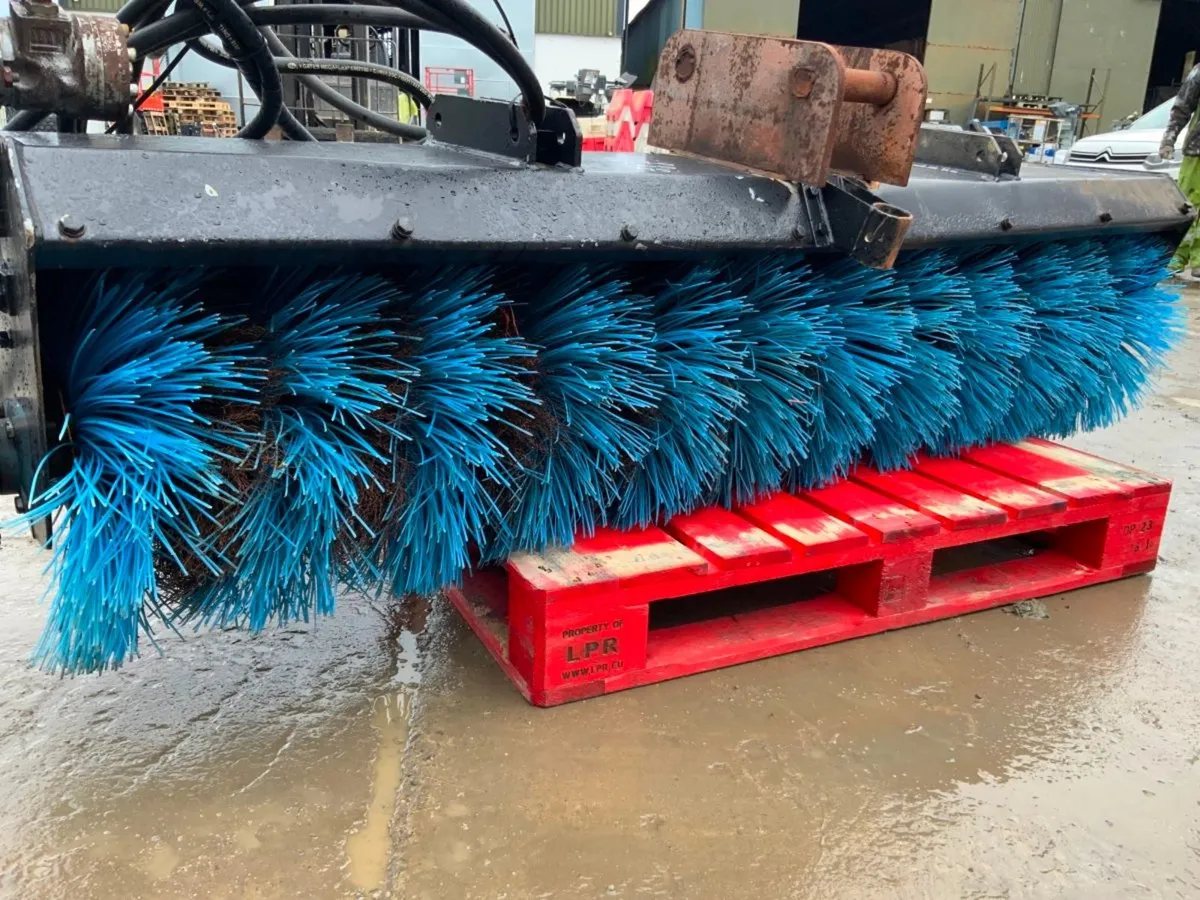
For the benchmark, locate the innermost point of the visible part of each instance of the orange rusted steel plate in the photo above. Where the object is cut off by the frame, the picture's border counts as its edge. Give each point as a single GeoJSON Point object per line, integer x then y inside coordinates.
{"type": "Point", "coordinates": [878, 143]}
{"type": "Point", "coordinates": [777, 106]}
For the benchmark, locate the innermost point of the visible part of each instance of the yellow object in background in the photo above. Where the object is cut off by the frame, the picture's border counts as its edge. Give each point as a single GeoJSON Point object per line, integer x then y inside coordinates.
{"type": "Point", "coordinates": [407, 109]}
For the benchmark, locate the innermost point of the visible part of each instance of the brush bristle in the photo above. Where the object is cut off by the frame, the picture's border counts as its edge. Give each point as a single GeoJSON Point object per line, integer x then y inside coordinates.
{"type": "Point", "coordinates": [783, 345]}
{"type": "Point", "coordinates": [924, 400]}
{"type": "Point", "coordinates": [865, 333]}
{"type": "Point", "coordinates": [391, 435]}
{"type": "Point", "coordinates": [145, 471]}
{"type": "Point", "coordinates": [331, 374]}
{"type": "Point", "coordinates": [469, 391]}
{"type": "Point", "coordinates": [702, 360]}
{"type": "Point", "coordinates": [596, 375]}
{"type": "Point", "coordinates": [994, 333]}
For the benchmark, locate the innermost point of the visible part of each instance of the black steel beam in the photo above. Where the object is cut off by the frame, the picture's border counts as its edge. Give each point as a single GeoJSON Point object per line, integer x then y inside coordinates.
{"type": "Point", "coordinates": [167, 201]}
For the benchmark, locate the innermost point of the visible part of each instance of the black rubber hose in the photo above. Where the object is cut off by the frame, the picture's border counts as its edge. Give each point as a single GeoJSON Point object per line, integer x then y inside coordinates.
{"type": "Point", "coordinates": [160, 78]}
{"type": "Point", "coordinates": [249, 49]}
{"type": "Point", "coordinates": [451, 16]}
{"type": "Point", "coordinates": [330, 95]}
{"type": "Point", "coordinates": [154, 85]}
{"type": "Point", "coordinates": [187, 25]}
{"type": "Point", "coordinates": [136, 10]}
{"type": "Point", "coordinates": [512, 35]}
{"type": "Point", "coordinates": [356, 69]}
{"type": "Point", "coordinates": [26, 120]}
{"type": "Point", "coordinates": [291, 127]}
{"type": "Point", "coordinates": [466, 22]}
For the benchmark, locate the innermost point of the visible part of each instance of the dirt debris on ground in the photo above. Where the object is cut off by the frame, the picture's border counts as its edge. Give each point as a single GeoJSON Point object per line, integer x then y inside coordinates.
{"type": "Point", "coordinates": [383, 754]}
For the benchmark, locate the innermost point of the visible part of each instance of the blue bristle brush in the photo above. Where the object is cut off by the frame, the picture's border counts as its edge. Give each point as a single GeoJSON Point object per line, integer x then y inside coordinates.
{"type": "Point", "coordinates": [333, 382]}
{"type": "Point", "coordinates": [1149, 318]}
{"type": "Point", "coordinates": [865, 333]}
{"type": "Point", "coordinates": [783, 338]}
{"type": "Point", "coordinates": [702, 360]}
{"type": "Point", "coordinates": [595, 403]}
{"type": "Point", "coordinates": [925, 398]}
{"type": "Point", "coordinates": [994, 333]}
{"type": "Point", "coordinates": [1065, 363]}
{"type": "Point", "coordinates": [144, 473]}
{"type": "Point", "coordinates": [596, 376]}
{"type": "Point", "coordinates": [449, 477]}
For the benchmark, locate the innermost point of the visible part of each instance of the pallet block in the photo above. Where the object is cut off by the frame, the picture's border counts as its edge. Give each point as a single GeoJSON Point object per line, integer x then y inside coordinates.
{"type": "Point", "coordinates": [894, 550]}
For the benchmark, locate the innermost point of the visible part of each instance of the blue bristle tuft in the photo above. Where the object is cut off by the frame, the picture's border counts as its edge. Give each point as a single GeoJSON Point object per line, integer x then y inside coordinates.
{"type": "Point", "coordinates": [994, 334]}
{"type": "Point", "coordinates": [332, 370]}
{"type": "Point", "coordinates": [145, 469]}
{"type": "Point", "coordinates": [595, 374]}
{"type": "Point", "coordinates": [1148, 318]}
{"type": "Point", "coordinates": [924, 400]}
{"type": "Point", "coordinates": [783, 344]}
{"type": "Point", "coordinates": [703, 362]}
{"type": "Point", "coordinates": [1066, 286]}
{"type": "Point", "coordinates": [448, 476]}
{"type": "Point", "coordinates": [865, 331]}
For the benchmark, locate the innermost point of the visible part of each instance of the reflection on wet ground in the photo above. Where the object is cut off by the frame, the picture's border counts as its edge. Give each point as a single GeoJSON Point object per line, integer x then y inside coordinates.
{"type": "Point", "coordinates": [382, 754]}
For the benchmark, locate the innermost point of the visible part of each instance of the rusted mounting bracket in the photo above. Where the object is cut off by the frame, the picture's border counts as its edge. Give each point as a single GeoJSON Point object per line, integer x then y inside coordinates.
{"type": "Point", "coordinates": [796, 110]}
{"type": "Point", "coordinates": [864, 227]}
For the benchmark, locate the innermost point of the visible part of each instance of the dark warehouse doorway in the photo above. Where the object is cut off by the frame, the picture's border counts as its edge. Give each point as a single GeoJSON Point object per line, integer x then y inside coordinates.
{"type": "Point", "coordinates": [1176, 49]}
{"type": "Point", "coordinates": [894, 24]}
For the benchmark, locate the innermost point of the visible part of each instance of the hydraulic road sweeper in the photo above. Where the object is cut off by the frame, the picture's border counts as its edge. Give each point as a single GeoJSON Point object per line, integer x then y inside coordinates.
{"type": "Point", "coordinates": [239, 375]}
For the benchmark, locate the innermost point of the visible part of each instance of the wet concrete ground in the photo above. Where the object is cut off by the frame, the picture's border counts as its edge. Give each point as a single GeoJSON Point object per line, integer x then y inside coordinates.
{"type": "Point", "coordinates": [383, 754]}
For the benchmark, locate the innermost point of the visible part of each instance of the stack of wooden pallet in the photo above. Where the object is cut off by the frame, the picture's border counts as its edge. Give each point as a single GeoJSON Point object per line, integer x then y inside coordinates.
{"type": "Point", "coordinates": [188, 105]}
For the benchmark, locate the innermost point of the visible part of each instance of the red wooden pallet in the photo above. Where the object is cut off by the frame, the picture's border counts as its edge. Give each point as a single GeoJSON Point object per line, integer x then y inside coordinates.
{"type": "Point", "coordinates": [570, 624]}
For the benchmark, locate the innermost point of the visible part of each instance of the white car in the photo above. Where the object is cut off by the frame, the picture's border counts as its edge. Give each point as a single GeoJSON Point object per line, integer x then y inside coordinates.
{"type": "Point", "coordinates": [1129, 148]}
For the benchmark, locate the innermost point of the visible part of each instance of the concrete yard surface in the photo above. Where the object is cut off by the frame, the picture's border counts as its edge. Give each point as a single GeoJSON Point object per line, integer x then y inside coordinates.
{"type": "Point", "coordinates": [1052, 754]}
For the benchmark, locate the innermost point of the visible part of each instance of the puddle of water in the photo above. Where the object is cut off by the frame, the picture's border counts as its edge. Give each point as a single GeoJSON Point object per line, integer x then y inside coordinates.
{"type": "Point", "coordinates": [233, 767]}
{"type": "Point", "coordinates": [369, 849]}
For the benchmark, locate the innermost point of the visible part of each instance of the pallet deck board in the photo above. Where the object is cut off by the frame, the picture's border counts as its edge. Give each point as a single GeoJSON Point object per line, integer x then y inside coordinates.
{"type": "Point", "coordinates": [874, 553]}
{"type": "Point", "coordinates": [806, 527]}
{"type": "Point", "coordinates": [729, 539]}
{"type": "Point", "coordinates": [877, 515]}
{"type": "Point", "coordinates": [1080, 486]}
{"type": "Point", "coordinates": [1018, 498]}
{"type": "Point", "coordinates": [953, 508]}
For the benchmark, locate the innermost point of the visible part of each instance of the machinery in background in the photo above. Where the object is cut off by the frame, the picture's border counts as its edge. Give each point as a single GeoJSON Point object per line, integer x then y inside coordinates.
{"type": "Point", "coordinates": [589, 92]}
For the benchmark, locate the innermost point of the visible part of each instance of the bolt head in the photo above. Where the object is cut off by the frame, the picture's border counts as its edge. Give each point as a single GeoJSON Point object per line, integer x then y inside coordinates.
{"type": "Point", "coordinates": [685, 63]}
{"type": "Point", "coordinates": [629, 233]}
{"type": "Point", "coordinates": [1006, 224]}
{"type": "Point", "coordinates": [802, 80]}
{"type": "Point", "coordinates": [71, 229]}
{"type": "Point", "coordinates": [402, 229]}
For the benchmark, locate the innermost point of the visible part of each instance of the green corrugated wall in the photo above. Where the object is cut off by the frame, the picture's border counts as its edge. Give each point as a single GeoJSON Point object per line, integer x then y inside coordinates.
{"type": "Point", "coordinates": [1039, 42]}
{"type": "Point", "coordinates": [778, 17]}
{"type": "Point", "coordinates": [589, 18]}
{"type": "Point", "coordinates": [963, 37]}
{"type": "Point", "coordinates": [1114, 37]}
{"type": "Point", "coordinates": [101, 6]}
